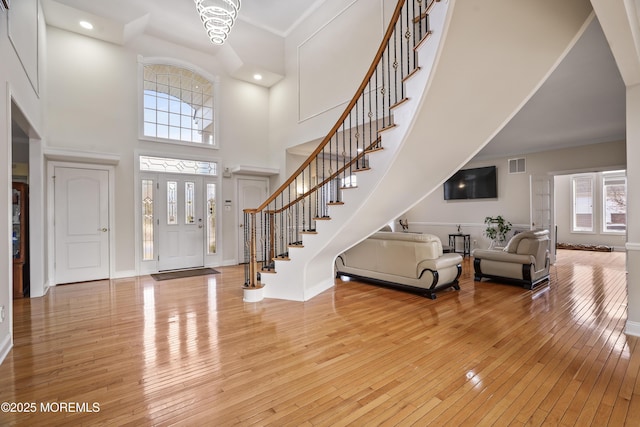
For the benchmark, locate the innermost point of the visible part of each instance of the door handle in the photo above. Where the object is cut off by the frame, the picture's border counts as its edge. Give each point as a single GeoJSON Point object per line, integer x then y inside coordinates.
{"type": "Point", "coordinates": [104, 230]}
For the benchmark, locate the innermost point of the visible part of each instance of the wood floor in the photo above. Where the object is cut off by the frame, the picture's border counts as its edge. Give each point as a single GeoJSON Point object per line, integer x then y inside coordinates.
{"type": "Point", "coordinates": [190, 352]}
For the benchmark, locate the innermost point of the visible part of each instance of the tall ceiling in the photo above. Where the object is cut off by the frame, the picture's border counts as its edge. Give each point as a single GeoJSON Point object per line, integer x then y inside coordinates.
{"type": "Point", "coordinates": [582, 101]}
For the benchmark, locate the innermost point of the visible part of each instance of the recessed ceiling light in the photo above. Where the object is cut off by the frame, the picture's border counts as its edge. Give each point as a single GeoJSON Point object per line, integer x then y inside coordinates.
{"type": "Point", "coordinates": [86, 25]}
{"type": "Point", "coordinates": [257, 76]}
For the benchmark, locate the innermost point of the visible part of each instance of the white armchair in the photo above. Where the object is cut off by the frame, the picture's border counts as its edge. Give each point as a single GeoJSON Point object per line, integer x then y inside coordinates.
{"type": "Point", "coordinates": [524, 261]}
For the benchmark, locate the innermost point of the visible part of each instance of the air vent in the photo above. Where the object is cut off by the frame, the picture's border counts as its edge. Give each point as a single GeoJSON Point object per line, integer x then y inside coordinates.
{"type": "Point", "coordinates": [517, 165]}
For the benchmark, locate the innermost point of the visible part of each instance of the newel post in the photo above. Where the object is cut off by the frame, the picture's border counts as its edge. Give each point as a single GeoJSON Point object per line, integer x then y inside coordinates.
{"type": "Point", "coordinates": [250, 247]}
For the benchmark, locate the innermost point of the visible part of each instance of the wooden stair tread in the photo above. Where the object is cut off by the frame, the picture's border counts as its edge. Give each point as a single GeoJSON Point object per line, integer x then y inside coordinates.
{"type": "Point", "coordinates": [388, 127]}
{"type": "Point", "coordinates": [424, 39]}
{"type": "Point", "coordinates": [399, 103]}
{"type": "Point", "coordinates": [411, 74]}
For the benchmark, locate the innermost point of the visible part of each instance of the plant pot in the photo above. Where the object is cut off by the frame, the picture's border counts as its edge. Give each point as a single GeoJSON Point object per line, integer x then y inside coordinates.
{"type": "Point", "coordinates": [252, 294]}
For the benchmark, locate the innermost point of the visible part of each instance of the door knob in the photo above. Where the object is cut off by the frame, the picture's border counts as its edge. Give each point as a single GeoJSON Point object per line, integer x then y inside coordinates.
{"type": "Point", "coordinates": [104, 230]}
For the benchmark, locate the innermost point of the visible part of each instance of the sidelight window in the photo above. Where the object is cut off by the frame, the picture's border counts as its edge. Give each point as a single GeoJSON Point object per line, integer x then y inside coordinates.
{"type": "Point", "coordinates": [211, 218]}
{"type": "Point", "coordinates": [147, 219]}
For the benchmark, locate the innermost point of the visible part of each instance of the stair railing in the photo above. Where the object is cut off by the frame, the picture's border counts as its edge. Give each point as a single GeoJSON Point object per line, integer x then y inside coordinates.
{"type": "Point", "coordinates": [305, 197]}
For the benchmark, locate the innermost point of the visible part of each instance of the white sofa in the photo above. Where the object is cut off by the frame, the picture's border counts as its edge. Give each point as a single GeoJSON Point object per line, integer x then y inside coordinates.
{"type": "Point", "coordinates": [407, 260]}
{"type": "Point", "coordinates": [524, 261]}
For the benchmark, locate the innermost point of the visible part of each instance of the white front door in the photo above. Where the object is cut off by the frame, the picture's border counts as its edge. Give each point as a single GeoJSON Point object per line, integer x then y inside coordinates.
{"type": "Point", "coordinates": [251, 193]}
{"type": "Point", "coordinates": [81, 215]}
{"type": "Point", "coordinates": [542, 210]}
{"type": "Point", "coordinates": [181, 222]}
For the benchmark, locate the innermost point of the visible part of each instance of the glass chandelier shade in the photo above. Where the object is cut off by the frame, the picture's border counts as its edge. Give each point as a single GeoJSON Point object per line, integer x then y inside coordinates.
{"type": "Point", "coordinates": [218, 16]}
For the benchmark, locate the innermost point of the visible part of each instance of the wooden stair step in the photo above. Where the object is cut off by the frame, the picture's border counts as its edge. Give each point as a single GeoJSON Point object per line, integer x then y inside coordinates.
{"type": "Point", "coordinates": [272, 271]}
{"type": "Point", "coordinates": [411, 74]}
{"type": "Point", "coordinates": [399, 103]}
{"type": "Point", "coordinates": [386, 128]}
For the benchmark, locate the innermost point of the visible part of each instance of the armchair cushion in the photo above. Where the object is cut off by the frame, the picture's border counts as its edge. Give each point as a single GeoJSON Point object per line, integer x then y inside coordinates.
{"type": "Point", "coordinates": [525, 260]}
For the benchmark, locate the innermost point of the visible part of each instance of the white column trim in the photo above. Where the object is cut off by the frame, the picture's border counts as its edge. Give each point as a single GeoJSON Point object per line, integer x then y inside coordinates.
{"type": "Point", "coordinates": [632, 328]}
{"type": "Point", "coordinates": [632, 246]}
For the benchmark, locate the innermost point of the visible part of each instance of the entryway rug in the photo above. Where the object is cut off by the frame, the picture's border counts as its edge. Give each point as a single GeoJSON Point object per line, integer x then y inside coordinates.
{"type": "Point", "coordinates": [183, 273]}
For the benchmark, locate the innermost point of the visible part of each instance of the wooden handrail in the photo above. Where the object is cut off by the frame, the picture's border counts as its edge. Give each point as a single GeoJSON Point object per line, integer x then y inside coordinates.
{"type": "Point", "coordinates": [327, 180]}
{"type": "Point", "coordinates": [347, 110]}
{"type": "Point", "coordinates": [291, 211]}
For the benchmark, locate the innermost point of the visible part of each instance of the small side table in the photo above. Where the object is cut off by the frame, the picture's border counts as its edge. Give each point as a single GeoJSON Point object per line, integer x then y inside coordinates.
{"type": "Point", "coordinates": [466, 240]}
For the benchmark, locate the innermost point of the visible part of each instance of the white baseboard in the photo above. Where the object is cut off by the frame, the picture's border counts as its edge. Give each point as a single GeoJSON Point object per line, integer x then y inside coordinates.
{"type": "Point", "coordinates": [5, 348]}
{"type": "Point", "coordinates": [124, 274]}
{"type": "Point", "coordinates": [116, 275]}
{"type": "Point", "coordinates": [632, 328]}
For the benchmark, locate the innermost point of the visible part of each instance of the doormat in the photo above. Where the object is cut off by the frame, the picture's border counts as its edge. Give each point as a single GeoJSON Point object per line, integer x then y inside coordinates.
{"type": "Point", "coordinates": [183, 273]}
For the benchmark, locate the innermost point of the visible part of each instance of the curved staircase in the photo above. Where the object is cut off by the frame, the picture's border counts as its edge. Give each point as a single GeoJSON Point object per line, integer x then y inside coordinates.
{"type": "Point", "coordinates": [447, 77]}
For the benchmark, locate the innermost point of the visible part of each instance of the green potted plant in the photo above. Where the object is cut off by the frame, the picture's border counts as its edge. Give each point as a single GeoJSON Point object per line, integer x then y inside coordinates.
{"type": "Point", "coordinates": [497, 229]}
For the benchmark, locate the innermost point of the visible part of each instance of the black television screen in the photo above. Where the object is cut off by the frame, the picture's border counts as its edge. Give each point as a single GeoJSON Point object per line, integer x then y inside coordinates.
{"type": "Point", "coordinates": [477, 183]}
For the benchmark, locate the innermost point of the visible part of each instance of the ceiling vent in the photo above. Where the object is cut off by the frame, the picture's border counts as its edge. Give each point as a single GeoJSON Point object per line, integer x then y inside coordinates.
{"type": "Point", "coordinates": [517, 165]}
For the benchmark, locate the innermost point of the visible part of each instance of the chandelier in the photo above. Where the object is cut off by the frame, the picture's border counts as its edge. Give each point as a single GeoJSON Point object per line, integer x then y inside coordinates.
{"type": "Point", "coordinates": [218, 16]}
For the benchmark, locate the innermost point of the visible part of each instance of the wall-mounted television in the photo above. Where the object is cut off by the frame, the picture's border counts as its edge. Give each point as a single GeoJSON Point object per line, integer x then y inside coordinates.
{"type": "Point", "coordinates": [476, 183]}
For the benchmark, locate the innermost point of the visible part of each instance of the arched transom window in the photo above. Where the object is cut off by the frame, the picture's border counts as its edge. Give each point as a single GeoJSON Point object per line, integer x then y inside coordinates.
{"type": "Point", "coordinates": [178, 105]}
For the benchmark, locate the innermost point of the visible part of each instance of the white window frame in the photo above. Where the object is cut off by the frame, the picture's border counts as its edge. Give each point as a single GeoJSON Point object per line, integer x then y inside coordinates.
{"type": "Point", "coordinates": [215, 81]}
{"type": "Point", "coordinates": [612, 175]}
{"type": "Point", "coordinates": [574, 227]}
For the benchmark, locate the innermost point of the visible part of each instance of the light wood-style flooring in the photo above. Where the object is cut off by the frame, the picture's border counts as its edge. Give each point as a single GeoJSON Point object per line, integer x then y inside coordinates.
{"type": "Point", "coordinates": [191, 352]}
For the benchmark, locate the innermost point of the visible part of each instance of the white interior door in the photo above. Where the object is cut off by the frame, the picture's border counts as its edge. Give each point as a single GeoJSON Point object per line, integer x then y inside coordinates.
{"type": "Point", "coordinates": [181, 222]}
{"type": "Point", "coordinates": [542, 209]}
{"type": "Point", "coordinates": [81, 215]}
{"type": "Point", "coordinates": [251, 193]}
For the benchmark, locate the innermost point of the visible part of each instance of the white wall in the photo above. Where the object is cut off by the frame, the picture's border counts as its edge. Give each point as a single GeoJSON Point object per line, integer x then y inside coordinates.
{"type": "Point", "coordinates": [438, 216]}
{"type": "Point", "coordinates": [307, 102]}
{"type": "Point", "coordinates": [93, 106]}
{"type": "Point", "coordinates": [633, 210]}
{"type": "Point", "coordinates": [15, 84]}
